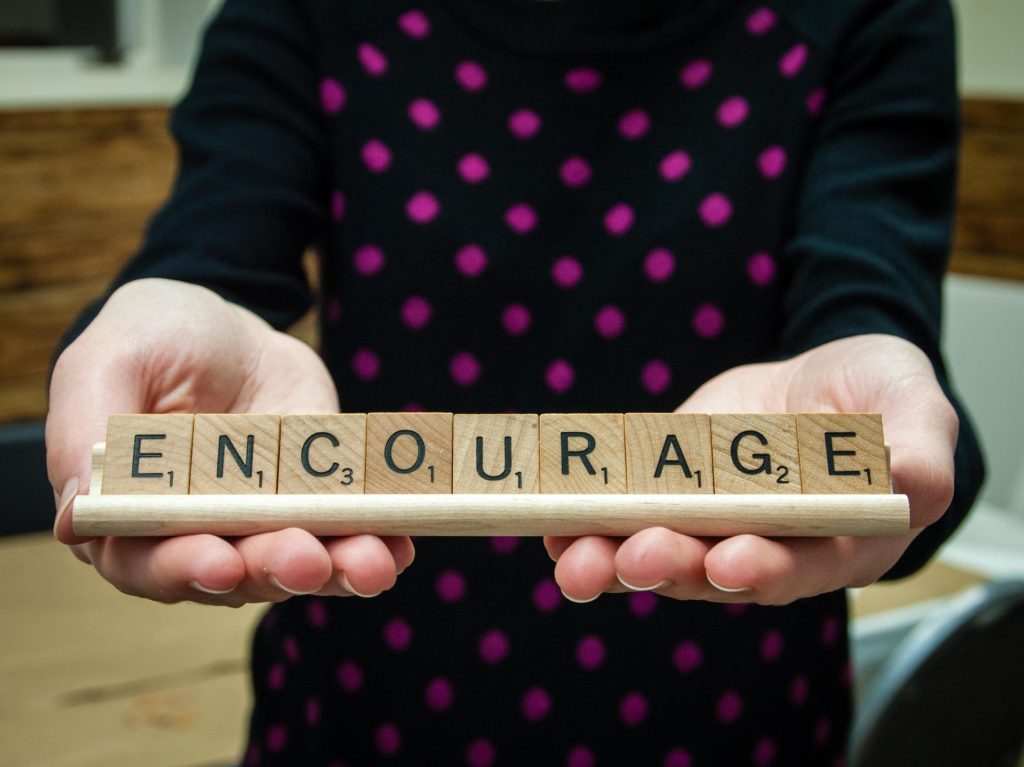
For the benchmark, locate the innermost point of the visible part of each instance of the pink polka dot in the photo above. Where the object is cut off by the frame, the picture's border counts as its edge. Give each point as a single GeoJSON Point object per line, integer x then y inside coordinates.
{"type": "Point", "coordinates": [398, 634]}
{"type": "Point", "coordinates": [729, 707]}
{"type": "Point", "coordinates": [332, 95]}
{"type": "Point", "coordinates": [655, 376]}
{"type": "Point", "coordinates": [291, 649]}
{"type": "Point", "coordinates": [582, 80]}
{"type": "Point", "coordinates": [424, 114]}
{"type": "Point", "coordinates": [368, 259]}
{"type": "Point", "coordinates": [761, 21]}
{"type": "Point", "coordinates": [416, 312]}
{"type": "Point", "coordinates": [560, 376]}
{"type": "Point", "coordinates": [771, 646]}
{"type": "Point", "coordinates": [798, 690]}
{"type": "Point", "coordinates": [493, 646]}
{"type": "Point", "coordinates": [333, 310]}
{"type": "Point", "coordinates": [761, 268]}
{"type": "Point", "coordinates": [822, 731]}
{"type": "Point", "coordinates": [524, 123]}
{"type": "Point", "coordinates": [815, 101]}
{"type": "Point", "coordinates": [276, 737]}
{"type": "Point", "coordinates": [580, 756]}
{"type": "Point", "coordinates": [471, 76]}
{"type": "Point", "coordinates": [373, 61]}
{"type": "Point", "coordinates": [412, 407]}
{"type": "Point", "coordinates": [521, 218]}
{"type": "Point", "coordinates": [415, 24]}
{"type": "Point", "coordinates": [546, 595]}
{"type": "Point", "coordinates": [634, 124]}
{"type": "Point", "coordinates": [464, 369]}
{"type": "Point", "coordinates": [471, 260]}
{"type": "Point", "coordinates": [575, 172]}
{"type": "Point", "coordinates": [687, 656]}
{"type": "Point", "coordinates": [619, 219]}
{"type": "Point", "coordinates": [516, 319]}
{"type": "Point", "coordinates": [451, 586]}
{"type": "Point", "coordinates": [337, 206]}
{"type": "Point", "coordinates": [733, 111]}
{"type": "Point", "coordinates": [829, 630]}
{"type": "Point", "coordinates": [642, 603]}
{"type": "Point", "coordinates": [736, 609]}
{"type": "Point", "coordinates": [480, 753]}
{"type": "Point", "coordinates": [609, 322]}
{"type": "Point", "coordinates": [590, 652]}
{"type": "Point", "coordinates": [696, 73]}
{"type": "Point", "coordinates": [422, 207]}
{"type": "Point", "coordinates": [764, 752]}
{"type": "Point", "coordinates": [388, 739]}
{"type": "Point", "coordinates": [253, 756]}
{"type": "Point", "coordinates": [473, 168]}
{"type": "Point", "coordinates": [316, 613]}
{"type": "Point", "coordinates": [633, 709]}
{"type": "Point", "coordinates": [678, 757]}
{"type": "Point", "coordinates": [772, 161]}
{"type": "Point", "coordinates": [350, 676]}
{"type": "Point", "coordinates": [366, 364]}
{"type": "Point", "coordinates": [376, 156]}
{"type": "Point", "coordinates": [275, 677]}
{"type": "Point", "coordinates": [675, 165]}
{"type": "Point", "coordinates": [536, 704]}
{"type": "Point", "coordinates": [715, 210]}
{"type": "Point", "coordinates": [567, 272]}
{"type": "Point", "coordinates": [793, 60]}
{"type": "Point", "coordinates": [659, 264]}
{"type": "Point", "coordinates": [312, 712]}
{"type": "Point", "coordinates": [439, 695]}
{"type": "Point", "coordinates": [505, 544]}
{"type": "Point", "coordinates": [708, 321]}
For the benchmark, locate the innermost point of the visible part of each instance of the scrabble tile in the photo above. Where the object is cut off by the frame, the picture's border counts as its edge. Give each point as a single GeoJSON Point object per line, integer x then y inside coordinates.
{"type": "Point", "coordinates": [668, 453]}
{"type": "Point", "coordinates": [322, 453]}
{"type": "Point", "coordinates": [755, 453]}
{"type": "Point", "coordinates": [147, 454]}
{"type": "Point", "coordinates": [842, 453]}
{"type": "Point", "coordinates": [582, 453]}
{"type": "Point", "coordinates": [409, 453]}
{"type": "Point", "coordinates": [235, 454]}
{"type": "Point", "coordinates": [495, 453]}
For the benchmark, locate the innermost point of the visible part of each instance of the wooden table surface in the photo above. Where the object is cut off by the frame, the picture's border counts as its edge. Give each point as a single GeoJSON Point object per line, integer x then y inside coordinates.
{"type": "Point", "coordinates": [91, 677]}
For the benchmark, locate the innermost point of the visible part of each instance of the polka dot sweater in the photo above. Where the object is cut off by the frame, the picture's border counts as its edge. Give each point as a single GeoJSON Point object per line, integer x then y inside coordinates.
{"type": "Point", "coordinates": [563, 206]}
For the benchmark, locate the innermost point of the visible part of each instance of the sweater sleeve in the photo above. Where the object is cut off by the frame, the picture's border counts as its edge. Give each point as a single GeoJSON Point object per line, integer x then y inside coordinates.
{"type": "Point", "coordinates": [874, 219]}
{"type": "Point", "coordinates": [250, 194]}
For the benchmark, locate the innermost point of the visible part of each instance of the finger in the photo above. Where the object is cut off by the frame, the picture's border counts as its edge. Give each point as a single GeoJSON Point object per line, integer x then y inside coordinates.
{"type": "Point", "coordinates": [587, 568]}
{"type": "Point", "coordinates": [282, 564]}
{"type": "Point", "coordinates": [779, 571]}
{"type": "Point", "coordinates": [364, 565]}
{"type": "Point", "coordinates": [557, 544]}
{"type": "Point", "coordinates": [661, 559]}
{"type": "Point", "coordinates": [402, 550]}
{"type": "Point", "coordinates": [168, 569]}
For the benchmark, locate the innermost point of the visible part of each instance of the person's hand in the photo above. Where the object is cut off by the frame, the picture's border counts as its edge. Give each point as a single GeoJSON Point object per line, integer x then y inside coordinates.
{"type": "Point", "coordinates": [872, 373]}
{"type": "Point", "coordinates": [160, 346]}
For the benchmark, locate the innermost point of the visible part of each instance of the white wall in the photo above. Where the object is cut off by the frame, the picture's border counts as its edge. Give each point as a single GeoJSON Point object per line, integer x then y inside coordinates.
{"type": "Point", "coordinates": [991, 47]}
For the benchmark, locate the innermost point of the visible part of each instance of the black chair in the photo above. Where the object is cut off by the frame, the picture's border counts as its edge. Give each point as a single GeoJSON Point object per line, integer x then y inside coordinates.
{"type": "Point", "coordinates": [952, 693]}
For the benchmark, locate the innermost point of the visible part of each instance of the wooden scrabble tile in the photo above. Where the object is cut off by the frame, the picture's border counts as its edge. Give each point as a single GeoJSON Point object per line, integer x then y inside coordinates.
{"type": "Point", "coordinates": [322, 453]}
{"type": "Point", "coordinates": [755, 453]}
{"type": "Point", "coordinates": [409, 453]}
{"type": "Point", "coordinates": [235, 454]}
{"type": "Point", "coordinates": [582, 453]}
{"type": "Point", "coordinates": [495, 453]}
{"type": "Point", "coordinates": [668, 453]}
{"type": "Point", "coordinates": [147, 454]}
{"type": "Point", "coordinates": [842, 453]}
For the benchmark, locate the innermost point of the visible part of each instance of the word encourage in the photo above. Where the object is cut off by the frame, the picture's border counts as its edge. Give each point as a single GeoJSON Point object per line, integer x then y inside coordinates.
{"type": "Point", "coordinates": [442, 453]}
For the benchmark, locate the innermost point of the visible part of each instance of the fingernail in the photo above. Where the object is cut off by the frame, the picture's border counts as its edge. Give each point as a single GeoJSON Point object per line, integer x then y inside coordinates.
{"type": "Point", "coordinates": [580, 601]}
{"type": "Point", "coordinates": [343, 580]}
{"type": "Point", "coordinates": [273, 579]}
{"type": "Point", "coordinates": [724, 589]}
{"type": "Point", "coordinates": [207, 590]}
{"type": "Point", "coordinates": [66, 497]}
{"type": "Point", "coordinates": [631, 587]}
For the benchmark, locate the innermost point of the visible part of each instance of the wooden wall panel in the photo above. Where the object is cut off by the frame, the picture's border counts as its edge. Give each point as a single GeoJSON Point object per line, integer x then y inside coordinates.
{"type": "Point", "coordinates": [78, 186]}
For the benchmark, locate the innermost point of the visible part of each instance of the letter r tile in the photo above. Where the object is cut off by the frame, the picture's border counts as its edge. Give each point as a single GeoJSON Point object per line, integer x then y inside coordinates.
{"type": "Point", "coordinates": [582, 453]}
